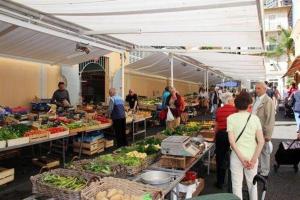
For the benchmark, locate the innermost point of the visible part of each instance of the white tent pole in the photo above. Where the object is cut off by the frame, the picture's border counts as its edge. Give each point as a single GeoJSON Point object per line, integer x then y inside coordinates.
{"type": "Point", "coordinates": [172, 69]}
{"type": "Point", "coordinates": [123, 75]}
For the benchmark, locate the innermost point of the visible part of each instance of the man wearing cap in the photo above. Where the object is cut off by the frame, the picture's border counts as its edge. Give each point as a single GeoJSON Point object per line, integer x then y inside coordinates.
{"type": "Point", "coordinates": [264, 108]}
{"type": "Point", "coordinates": [61, 96]}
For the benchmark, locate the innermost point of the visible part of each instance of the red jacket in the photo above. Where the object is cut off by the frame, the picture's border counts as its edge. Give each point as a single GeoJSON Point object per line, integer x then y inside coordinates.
{"type": "Point", "coordinates": [221, 116]}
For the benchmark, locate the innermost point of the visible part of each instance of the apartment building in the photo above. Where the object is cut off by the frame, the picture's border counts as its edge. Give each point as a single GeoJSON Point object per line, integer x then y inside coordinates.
{"type": "Point", "coordinates": [277, 15]}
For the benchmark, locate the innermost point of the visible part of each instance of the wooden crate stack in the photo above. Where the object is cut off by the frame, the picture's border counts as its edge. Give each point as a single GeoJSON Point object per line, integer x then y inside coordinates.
{"type": "Point", "coordinates": [89, 148]}
{"type": "Point", "coordinates": [175, 162]}
{"type": "Point", "coordinates": [6, 175]}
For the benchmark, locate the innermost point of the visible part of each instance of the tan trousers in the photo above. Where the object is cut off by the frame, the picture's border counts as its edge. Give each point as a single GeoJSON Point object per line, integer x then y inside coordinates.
{"type": "Point", "coordinates": [173, 124]}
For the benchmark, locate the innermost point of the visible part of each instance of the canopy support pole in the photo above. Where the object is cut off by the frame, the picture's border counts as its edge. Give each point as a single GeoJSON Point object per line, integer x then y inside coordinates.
{"type": "Point", "coordinates": [123, 76]}
{"type": "Point", "coordinates": [207, 81]}
{"type": "Point", "coordinates": [172, 69]}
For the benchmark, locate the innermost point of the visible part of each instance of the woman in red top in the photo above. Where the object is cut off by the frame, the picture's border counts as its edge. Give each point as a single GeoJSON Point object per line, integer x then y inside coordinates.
{"type": "Point", "coordinates": [222, 142]}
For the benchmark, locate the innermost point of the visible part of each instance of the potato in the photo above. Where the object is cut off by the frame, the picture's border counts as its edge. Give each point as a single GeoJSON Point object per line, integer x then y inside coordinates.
{"type": "Point", "coordinates": [117, 197]}
{"type": "Point", "coordinates": [133, 197]}
{"type": "Point", "coordinates": [111, 192]}
{"type": "Point", "coordinates": [126, 197]}
{"type": "Point", "coordinates": [101, 194]}
{"type": "Point", "coordinates": [120, 192]}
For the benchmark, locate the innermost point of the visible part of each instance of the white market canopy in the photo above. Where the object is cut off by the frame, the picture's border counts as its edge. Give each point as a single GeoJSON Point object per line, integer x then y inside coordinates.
{"type": "Point", "coordinates": [185, 68]}
{"type": "Point", "coordinates": [239, 67]}
{"type": "Point", "coordinates": [24, 35]}
{"type": "Point", "coordinates": [218, 23]}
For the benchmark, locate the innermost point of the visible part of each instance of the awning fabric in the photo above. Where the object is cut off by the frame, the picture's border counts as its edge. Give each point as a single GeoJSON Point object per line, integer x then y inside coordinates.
{"type": "Point", "coordinates": [239, 67]}
{"type": "Point", "coordinates": [219, 23]}
{"type": "Point", "coordinates": [25, 43]}
{"type": "Point", "coordinates": [158, 64]}
{"type": "Point", "coordinates": [295, 66]}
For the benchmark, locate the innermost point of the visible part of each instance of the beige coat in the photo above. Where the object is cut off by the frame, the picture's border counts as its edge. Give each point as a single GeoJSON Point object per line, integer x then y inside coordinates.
{"type": "Point", "coordinates": [266, 114]}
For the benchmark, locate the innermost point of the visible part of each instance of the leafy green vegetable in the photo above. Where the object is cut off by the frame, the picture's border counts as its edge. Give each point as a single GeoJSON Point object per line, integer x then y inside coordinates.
{"type": "Point", "coordinates": [13, 131]}
{"type": "Point", "coordinates": [119, 159]}
{"type": "Point", "coordinates": [98, 168]}
{"type": "Point", "coordinates": [75, 125]}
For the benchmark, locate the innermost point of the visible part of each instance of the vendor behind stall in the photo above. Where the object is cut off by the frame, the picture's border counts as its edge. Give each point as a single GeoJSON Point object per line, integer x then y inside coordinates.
{"type": "Point", "coordinates": [116, 112]}
{"type": "Point", "coordinates": [132, 100]}
{"type": "Point", "coordinates": [61, 96]}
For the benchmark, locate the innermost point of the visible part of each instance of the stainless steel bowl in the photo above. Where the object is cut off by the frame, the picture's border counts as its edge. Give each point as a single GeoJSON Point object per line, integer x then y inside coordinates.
{"type": "Point", "coordinates": [156, 177]}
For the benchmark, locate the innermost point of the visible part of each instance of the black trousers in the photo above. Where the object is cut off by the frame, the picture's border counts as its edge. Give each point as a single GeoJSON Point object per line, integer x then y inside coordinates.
{"type": "Point", "coordinates": [222, 155]}
{"type": "Point", "coordinates": [119, 126]}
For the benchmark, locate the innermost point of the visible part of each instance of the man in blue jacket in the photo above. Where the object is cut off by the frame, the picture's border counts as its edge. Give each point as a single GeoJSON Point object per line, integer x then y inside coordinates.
{"type": "Point", "coordinates": [116, 111]}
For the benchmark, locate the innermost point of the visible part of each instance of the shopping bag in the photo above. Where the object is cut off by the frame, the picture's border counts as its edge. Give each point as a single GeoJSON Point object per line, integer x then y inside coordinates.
{"type": "Point", "coordinates": [170, 116]}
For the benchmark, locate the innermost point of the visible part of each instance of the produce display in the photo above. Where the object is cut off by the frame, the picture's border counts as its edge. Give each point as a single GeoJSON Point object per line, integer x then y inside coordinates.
{"type": "Point", "coordinates": [33, 132]}
{"type": "Point", "coordinates": [150, 101]}
{"type": "Point", "coordinates": [13, 131]}
{"type": "Point", "coordinates": [149, 146]}
{"type": "Point", "coordinates": [64, 182]}
{"type": "Point", "coordinates": [144, 114]}
{"type": "Point", "coordinates": [136, 154]}
{"type": "Point", "coordinates": [75, 125]}
{"type": "Point", "coordinates": [114, 194]}
{"type": "Point", "coordinates": [54, 130]}
{"type": "Point", "coordinates": [102, 119]}
{"type": "Point", "coordinates": [98, 167]}
{"type": "Point", "coordinates": [122, 159]}
{"type": "Point", "coordinates": [189, 129]}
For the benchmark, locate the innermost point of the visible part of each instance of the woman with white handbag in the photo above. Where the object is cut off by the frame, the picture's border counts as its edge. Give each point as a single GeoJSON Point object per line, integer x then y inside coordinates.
{"type": "Point", "coordinates": [176, 106]}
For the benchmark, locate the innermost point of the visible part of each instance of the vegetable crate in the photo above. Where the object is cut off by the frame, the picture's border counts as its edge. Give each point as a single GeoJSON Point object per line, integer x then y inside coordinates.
{"type": "Point", "coordinates": [60, 134]}
{"type": "Point", "coordinates": [2, 144]}
{"type": "Point", "coordinates": [175, 162]}
{"type": "Point", "coordinates": [17, 141]}
{"type": "Point", "coordinates": [109, 143]}
{"type": "Point", "coordinates": [77, 130]}
{"type": "Point", "coordinates": [46, 162]}
{"type": "Point", "coordinates": [38, 137]}
{"type": "Point", "coordinates": [208, 134]}
{"type": "Point", "coordinates": [89, 148]}
{"type": "Point", "coordinates": [6, 175]}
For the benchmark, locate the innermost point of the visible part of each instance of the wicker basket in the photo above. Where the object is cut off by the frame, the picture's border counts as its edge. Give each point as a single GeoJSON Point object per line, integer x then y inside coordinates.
{"type": "Point", "coordinates": [118, 171]}
{"type": "Point", "coordinates": [129, 188]}
{"type": "Point", "coordinates": [134, 170]}
{"type": "Point", "coordinates": [38, 186]}
{"type": "Point", "coordinates": [150, 159]}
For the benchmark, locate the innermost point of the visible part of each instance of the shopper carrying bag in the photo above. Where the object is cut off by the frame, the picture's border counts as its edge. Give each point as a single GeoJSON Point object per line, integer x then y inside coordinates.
{"type": "Point", "coordinates": [176, 106]}
{"type": "Point", "coordinates": [246, 140]}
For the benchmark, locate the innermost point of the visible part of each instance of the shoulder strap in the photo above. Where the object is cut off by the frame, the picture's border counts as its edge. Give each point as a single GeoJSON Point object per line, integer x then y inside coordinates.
{"type": "Point", "coordinates": [237, 139]}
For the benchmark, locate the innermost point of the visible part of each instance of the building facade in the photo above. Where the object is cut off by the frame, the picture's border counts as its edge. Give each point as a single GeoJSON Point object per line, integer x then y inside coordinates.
{"type": "Point", "coordinates": [277, 15]}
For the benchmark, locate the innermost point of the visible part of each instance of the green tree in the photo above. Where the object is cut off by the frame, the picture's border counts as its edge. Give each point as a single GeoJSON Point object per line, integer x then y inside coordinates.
{"type": "Point", "coordinates": [283, 46]}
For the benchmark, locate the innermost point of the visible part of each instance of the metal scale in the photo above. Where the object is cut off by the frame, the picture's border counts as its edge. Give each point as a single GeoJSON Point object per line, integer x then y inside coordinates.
{"type": "Point", "coordinates": [179, 146]}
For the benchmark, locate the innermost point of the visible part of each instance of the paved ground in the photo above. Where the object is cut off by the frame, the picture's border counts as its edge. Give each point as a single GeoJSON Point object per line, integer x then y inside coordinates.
{"type": "Point", "coordinates": [283, 185]}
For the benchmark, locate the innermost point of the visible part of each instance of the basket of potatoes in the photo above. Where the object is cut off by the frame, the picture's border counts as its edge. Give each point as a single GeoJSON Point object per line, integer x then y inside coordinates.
{"type": "Point", "coordinates": [109, 188]}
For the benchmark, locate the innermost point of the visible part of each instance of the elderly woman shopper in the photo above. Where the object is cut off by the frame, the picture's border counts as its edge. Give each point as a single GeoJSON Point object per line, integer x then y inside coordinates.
{"type": "Point", "coordinates": [222, 142]}
{"type": "Point", "coordinates": [177, 105]}
{"type": "Point", "coordinates": [246, 140]}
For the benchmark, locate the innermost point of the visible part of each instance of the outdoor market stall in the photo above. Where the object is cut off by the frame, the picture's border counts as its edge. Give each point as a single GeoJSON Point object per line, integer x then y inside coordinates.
{"type": "Point", "coordinates": [48, 35]}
